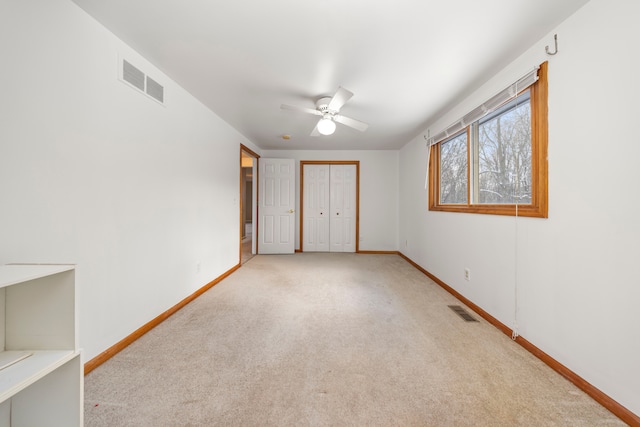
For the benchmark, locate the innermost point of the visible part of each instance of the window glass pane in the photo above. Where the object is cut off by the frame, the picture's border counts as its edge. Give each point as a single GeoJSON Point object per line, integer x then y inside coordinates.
{"type": "Point", "coordinates": [504, 154]}
{"type": "Point", "coordinates": [453, 170]}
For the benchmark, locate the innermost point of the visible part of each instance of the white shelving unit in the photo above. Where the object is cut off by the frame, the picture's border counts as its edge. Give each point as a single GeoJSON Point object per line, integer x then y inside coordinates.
{"type": "Point", "coordinates": [41, 378]}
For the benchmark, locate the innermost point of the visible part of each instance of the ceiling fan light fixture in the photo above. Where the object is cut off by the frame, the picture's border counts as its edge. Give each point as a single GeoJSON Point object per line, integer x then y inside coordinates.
{"type": "Point", "coordinates": [326, 126]}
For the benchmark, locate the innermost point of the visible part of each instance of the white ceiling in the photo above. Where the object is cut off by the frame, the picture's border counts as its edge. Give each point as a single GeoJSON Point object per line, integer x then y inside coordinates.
{"type": "Point", "coordinates": [406, 61]}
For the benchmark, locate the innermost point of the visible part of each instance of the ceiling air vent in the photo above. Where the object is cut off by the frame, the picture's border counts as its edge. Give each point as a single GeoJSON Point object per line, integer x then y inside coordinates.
{"type": "Point", "coordinates": [135, 77]}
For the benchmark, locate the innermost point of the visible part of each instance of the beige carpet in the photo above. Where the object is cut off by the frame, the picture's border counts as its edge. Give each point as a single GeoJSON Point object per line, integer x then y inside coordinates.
{"type": "Point", "coordinates": [330, 340]}
{"type": "Point", "coordinates": [246, 249]}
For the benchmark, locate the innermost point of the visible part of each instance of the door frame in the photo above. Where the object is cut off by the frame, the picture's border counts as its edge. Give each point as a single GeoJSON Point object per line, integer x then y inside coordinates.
{"type": "Point", "coordinates": [330, 162]}
{"type": "Point", "coordinates": [247, 151]}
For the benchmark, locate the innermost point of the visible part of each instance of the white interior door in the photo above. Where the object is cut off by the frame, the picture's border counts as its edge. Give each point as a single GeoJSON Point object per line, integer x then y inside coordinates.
{"type": "Point", "coordinates": [343, 210]}
{"type": "Point", "coordinates": [330, 211]}
{"type": "Point", "coordinates": [276, 197]}
{"type": "Point", "coordinates": [316, 208]}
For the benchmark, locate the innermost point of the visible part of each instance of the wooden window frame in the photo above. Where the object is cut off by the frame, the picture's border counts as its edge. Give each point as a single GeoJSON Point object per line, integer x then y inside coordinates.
{"type": "Point", "coordinates": [538, 208]}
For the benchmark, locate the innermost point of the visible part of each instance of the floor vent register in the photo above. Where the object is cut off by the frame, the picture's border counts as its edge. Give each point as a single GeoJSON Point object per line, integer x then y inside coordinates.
{"type": "Point", "coordinates": [462, 313]}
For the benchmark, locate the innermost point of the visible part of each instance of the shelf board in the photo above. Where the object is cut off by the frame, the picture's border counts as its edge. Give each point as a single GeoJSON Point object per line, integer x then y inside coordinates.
{"type": "Point", "coordinates": [23, 373]}
{"type": "Point", "coordinates": [8, 358]}
{"type": "Point", "coordinates": [11, 274]}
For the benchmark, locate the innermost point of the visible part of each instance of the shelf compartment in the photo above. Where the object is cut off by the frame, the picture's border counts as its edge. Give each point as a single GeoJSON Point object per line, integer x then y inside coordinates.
{"type": "Point", "coordinates": [41, 375]}
{"type": "Point", "coordinates": [22, 374]}
{"type": "Point", "coordinates": [37, 307]}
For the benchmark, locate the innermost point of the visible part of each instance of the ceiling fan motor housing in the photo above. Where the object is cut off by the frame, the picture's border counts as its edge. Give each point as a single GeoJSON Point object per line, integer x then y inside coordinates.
{"type": "Point", "coordinates": [322, 105]}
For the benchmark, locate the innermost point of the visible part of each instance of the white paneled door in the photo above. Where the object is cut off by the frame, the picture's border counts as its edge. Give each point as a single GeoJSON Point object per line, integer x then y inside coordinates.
{"type": "Point", "coordinates": [330, 211]}
{"type": "Point", "coordinates": [343, 209]}
{"type": "Point", "coordinates": [277, 206]}
{"type": "Point", "coordinates": [316, 208]}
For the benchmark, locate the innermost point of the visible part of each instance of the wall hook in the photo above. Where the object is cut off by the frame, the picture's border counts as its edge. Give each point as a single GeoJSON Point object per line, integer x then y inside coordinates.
{"type": "Point", "coordinates": [546, 48]}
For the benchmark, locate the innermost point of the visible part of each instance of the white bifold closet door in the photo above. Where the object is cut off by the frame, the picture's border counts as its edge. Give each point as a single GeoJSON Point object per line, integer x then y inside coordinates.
{"type": "Point", "coordinates": [329, 208]}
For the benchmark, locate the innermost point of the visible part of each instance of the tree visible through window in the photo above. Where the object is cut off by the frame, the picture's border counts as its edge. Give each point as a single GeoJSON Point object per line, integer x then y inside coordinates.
{"type": "Point", "coordinates": [453, 164]}
{"type": "Point", "coordinates": [504, 154]}
{"type": "Point", "coordinates": [498, 164]}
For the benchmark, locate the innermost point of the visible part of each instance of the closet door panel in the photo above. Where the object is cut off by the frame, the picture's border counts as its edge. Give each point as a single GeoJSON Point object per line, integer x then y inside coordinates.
{"type": "Point", "coordinates": [316, 208]}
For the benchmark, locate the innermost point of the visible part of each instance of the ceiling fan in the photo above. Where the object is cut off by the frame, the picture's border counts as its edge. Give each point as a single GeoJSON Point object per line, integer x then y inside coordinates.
{"type": "Point", "coordinates": [328, 109]}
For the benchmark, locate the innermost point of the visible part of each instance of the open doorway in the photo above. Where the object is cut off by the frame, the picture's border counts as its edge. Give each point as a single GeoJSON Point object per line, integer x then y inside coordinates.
{"type": "Point", "coordinates": [248, 205]}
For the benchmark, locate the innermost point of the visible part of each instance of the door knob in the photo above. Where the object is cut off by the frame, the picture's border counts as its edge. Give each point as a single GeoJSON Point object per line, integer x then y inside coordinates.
{"type": "Point", "coordinates": [291, 211]}
{"type": "Point", "coordinates": [337, 213]}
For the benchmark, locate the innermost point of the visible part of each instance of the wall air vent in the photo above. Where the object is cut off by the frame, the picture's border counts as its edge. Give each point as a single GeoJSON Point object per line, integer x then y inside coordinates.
{"type": "Point", "coordinates": [132, 75]}
{"type": "Point", "coordinates": [136, 78]}
{"type": "Point", "coordinates": [155, 90]}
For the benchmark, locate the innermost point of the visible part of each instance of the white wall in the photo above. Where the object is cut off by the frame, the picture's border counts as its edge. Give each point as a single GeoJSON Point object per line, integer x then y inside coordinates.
{"type": "Point", "coordinates": [378, 192]}
{"type": "Point", "coordinates": [94, 173]}
{"type": "Point", "coordinates": [577, 283]}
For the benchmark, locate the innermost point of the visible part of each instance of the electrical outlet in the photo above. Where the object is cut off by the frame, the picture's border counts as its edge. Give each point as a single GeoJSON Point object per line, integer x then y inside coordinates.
{"type": "Point", "coordinates": [467, 274]}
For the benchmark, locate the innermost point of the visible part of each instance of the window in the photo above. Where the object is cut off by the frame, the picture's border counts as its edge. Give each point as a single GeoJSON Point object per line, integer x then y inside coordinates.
{"type": "Point", "coordinates": [453, 167]}
{"type": "Point", "coordinates": [497, 164]}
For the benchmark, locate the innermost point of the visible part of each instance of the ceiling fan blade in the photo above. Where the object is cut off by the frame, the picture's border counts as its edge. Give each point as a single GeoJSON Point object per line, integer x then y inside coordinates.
{"type": "Point", "coordinates": [301, 109]}
{"type": "Point", "coordinates": [339, 99]}
{"type": "Point", "coordinates": [315, 131]}
{"type": "Point", "coordinates": [352, 123]}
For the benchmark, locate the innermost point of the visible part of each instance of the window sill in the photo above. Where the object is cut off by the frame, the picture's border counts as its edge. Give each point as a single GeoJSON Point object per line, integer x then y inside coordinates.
{"type": "Point", "coordinates": [531, 211]}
